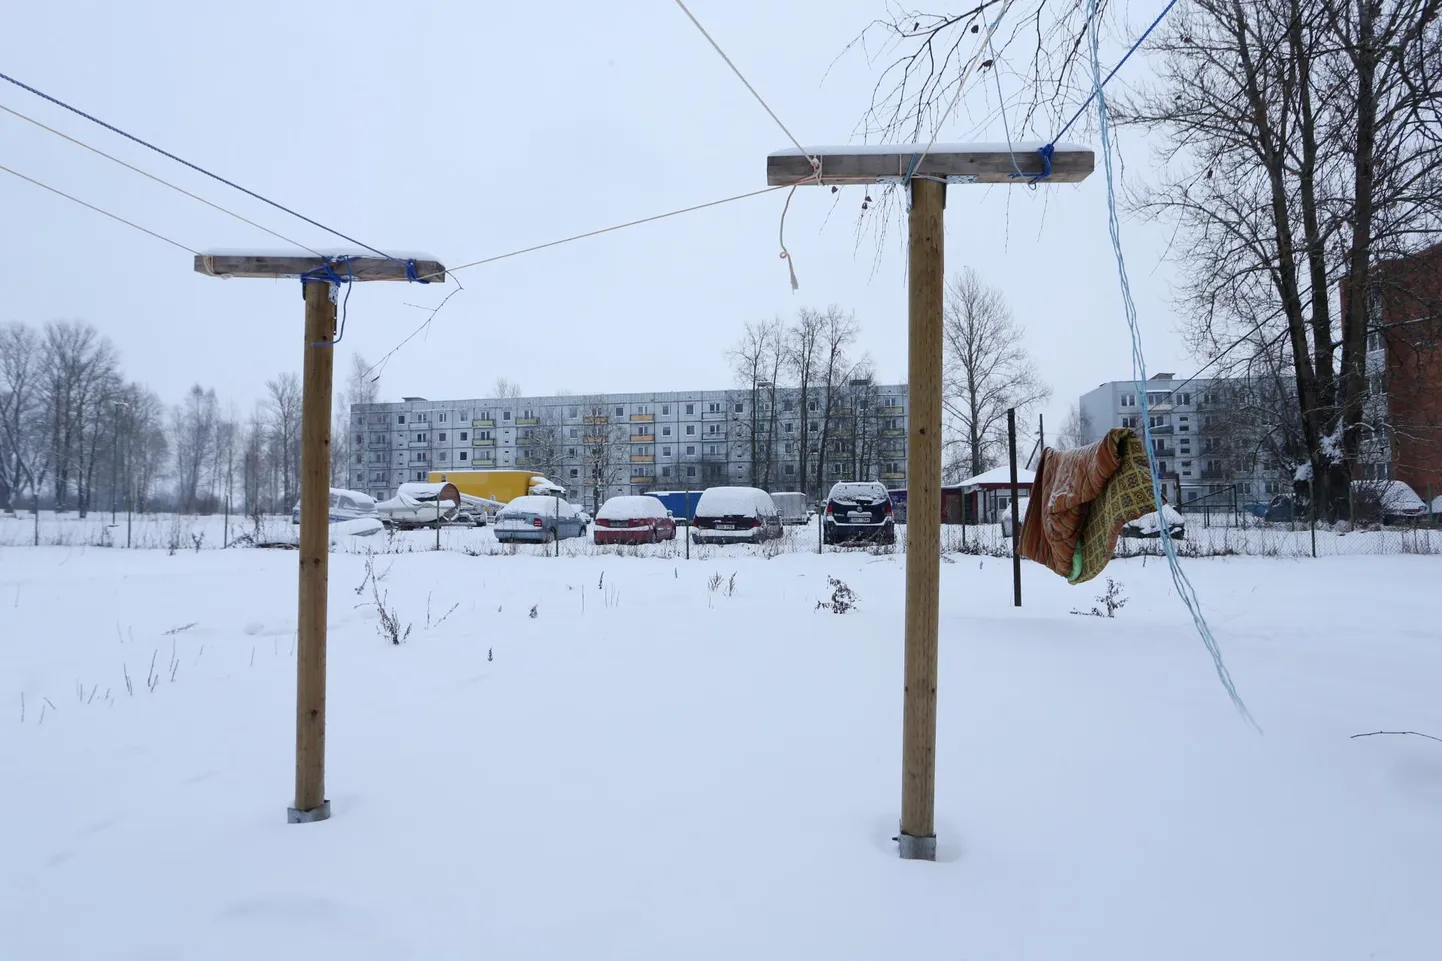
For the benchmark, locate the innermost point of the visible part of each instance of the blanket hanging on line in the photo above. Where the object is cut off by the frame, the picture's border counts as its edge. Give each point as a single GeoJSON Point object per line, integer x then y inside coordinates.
{"type": "Point", "coordinates": [1081, 501]}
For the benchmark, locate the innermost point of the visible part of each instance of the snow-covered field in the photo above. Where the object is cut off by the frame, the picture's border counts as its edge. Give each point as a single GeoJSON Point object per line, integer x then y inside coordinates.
{"type": "Point", "coordinates": [610, 756]}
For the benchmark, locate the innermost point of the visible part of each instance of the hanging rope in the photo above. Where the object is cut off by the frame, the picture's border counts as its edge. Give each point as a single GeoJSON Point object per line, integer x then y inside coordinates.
{"type": "Point", "coordinates": [1139, 373]}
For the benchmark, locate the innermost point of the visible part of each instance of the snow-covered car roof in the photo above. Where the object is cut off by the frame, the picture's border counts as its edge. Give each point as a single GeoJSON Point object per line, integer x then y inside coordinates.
{"type": "Point", "coordinates": [631, 507]}
{"type": "Point", "coordinates": [539, 504]}
{"type": "Point", "coordinates": [734, 502]}
{"type": "Point", "coordinates": [1394, 495]}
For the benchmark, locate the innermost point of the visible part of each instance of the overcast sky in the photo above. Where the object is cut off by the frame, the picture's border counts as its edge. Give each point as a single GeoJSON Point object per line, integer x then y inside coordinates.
{"type": "Point", "coordinates": [470, 129]}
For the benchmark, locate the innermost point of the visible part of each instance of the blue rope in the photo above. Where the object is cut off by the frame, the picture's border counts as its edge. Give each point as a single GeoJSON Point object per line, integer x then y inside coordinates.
{"type": "Point", "coordinates": [1139, 374]}
{"type": "Point", "coordinates": [325, 274]}
{"type": "Point", "coordinates": [198, 169]}
{"type": "Point", "coordinates": [1047, 151]}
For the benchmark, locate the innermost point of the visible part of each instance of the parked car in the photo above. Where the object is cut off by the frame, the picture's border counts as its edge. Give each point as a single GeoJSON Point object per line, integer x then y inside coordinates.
{"type": "Point", "coordinates": [730, 515]}
{"type": "Point", "coordinates": [345, 505]}
{"type": "Point", "coordinates": [638, 519]}
{"type": "Point", "coordinates": [1391, 501]}
{"type": "Point", "coordinates": [859, 511]}
{"type": "Point", "coordinates": [1149, 526]}
{"type": "Point", "coordinates": [420, 504]}
{"type": "Point", "coordinates": [538, 520]}
{"type": "Point", "coordinates": [791, 506]}
{"type": "Point", "coordinates": [1022, 503]}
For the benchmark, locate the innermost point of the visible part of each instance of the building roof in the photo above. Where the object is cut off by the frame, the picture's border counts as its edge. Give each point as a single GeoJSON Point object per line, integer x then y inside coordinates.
{"type": "Point", "coordinates": [1000, 477]}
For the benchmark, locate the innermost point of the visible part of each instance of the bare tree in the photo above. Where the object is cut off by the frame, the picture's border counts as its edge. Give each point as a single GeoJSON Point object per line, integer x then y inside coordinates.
{"type": "Point", "coordinates": [146, 445]}
{"type": "Point", "coordinates": [282, 407]}
{"type": "Point", "coordinates": [832, 415]}
{"type": "Point", "coordinates": [1302, 147]}
{"type": "Point", "coordinates": [987, 372]}
{"type": "Point", "coordinates": [542, 447]}
{"type": "Point", "coordinates": [605, 451]}
{"type": "Point", "coordinates": [1076, 431]}
{"type": "Point", "coordinates": [802, 343]}
{"type": "Point", "coordinates": [195, 423]}
{"type": "Point", "coordinates": [506, 389]}
{"type": "Point", "coordinates": [78, 373]}
{"type": "Point", "coordinates": [757, 361]}
{"type": "Point", "coordinates": [21, 412]}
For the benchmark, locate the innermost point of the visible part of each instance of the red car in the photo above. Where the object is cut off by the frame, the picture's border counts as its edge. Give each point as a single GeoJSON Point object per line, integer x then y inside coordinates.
{"type": "Point", "coordinates": [635, 519]}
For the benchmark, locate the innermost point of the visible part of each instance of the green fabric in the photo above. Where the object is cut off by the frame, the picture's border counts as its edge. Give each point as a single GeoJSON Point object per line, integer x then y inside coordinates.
{"type": "Point", "coordinates": [1127, 496]}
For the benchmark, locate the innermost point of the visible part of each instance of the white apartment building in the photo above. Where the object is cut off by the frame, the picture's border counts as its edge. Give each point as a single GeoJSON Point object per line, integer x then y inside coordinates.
{"type": "Point", "coordinates": [600, 446]}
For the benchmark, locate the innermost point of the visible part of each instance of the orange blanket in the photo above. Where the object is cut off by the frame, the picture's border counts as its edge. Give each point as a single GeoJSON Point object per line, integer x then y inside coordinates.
{"type": "Point", "coordinates": [1080, 502]}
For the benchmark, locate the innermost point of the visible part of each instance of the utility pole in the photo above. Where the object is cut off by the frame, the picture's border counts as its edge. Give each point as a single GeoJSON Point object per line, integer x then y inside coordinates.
{"type": "Point", "coordinates": [1015, 513]}
{"type": "Point", "coordinates": [115, 459]}
{"type": "Point", "coordinates": [320, 279]}
{"type": "Point", "coordinates": [925, 172]}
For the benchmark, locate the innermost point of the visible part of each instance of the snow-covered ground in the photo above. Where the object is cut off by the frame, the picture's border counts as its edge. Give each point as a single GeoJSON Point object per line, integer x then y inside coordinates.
{"type": "Point", "coordinates": [615, 756]}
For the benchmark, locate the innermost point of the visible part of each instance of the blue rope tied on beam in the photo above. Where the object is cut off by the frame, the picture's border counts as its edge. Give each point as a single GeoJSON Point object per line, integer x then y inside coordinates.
{"type": "Point", "coordinates": [325, 274]}
{"type": "Point", "coordinates": [411, 273]}
{"type": "Point", "coordinates": [1047, 151]}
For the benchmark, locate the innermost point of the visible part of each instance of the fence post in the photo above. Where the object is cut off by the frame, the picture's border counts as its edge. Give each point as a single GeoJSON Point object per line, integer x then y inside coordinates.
{"type": "Point", "coordinates": [1312, 510]}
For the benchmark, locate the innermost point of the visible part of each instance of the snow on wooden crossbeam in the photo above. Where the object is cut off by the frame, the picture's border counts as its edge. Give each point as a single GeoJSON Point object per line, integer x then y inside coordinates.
{"type": "Point", "coordinates": [353, 268]}
{"type": "Point", "coordinates": [982, 163]}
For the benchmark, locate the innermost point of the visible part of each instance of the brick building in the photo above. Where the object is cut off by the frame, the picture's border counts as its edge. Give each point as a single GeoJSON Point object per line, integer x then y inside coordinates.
{"type": "Point", "coordinates": [1406, 324]}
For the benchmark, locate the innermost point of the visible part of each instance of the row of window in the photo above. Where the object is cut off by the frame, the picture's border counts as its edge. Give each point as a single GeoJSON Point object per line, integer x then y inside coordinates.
{"type": "Point", "coordinates": [641, 410]}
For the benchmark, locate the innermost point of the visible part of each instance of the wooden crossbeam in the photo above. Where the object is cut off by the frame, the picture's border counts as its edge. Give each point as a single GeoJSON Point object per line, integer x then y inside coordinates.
{"type": "Point", "coordinates": [972, 163]}
{"type": "Point", "coordinates": [354, 268]}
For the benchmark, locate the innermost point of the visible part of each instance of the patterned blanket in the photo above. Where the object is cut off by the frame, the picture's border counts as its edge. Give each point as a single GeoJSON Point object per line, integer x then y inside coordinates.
{"type": "Point", "coordinates": [1081, 500]}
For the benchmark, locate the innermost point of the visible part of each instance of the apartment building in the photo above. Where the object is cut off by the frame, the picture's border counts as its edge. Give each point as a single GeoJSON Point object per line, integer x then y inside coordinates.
{"type": "Point", "coordinates": [1194, 436]}
{"type": "Point", "coordinates": [600, 446]}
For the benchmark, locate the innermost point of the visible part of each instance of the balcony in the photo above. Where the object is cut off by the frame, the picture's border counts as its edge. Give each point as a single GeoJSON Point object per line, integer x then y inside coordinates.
{"type": "Point", "coordinates": [483, 423]}
{"type": "Point", "coordinates": [891, 411]}
{"type": "Point", "coordinates": [642, 418]}
{"type": "Point", "coordinates": [1161, 430]}
{"type": "Point", "coordinates": [1214, 475]}
{"type": "Point", "coordinates": [592, 440]}
{"type": "Point", "coordinates": [478, 442]}
{"type": "Point", "coordinates": [642, 479]}
{"type": "Point", "coordinates": [528, 421]}
{"type": "Point", "coordinates": [894, 476]}
{"type": "Point", "coordinates": [643, 438]}
{"type": "Point", "coordinates": [598, 419]}
{"type": "Point", "coordinates": [893, 432]}
{"type": "Point", "coordinates": [643, 458]}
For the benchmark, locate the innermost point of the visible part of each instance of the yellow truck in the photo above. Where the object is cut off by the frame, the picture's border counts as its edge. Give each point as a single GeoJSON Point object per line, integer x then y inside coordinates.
{"type": "Point", "coordinates": [503, 486]}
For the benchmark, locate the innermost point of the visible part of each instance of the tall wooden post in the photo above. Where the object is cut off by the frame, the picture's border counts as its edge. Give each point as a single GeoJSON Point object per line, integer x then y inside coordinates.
{"type": "Point", "coordinates": [1015, 512]}
{"type": "Point", "coordinates": [923, 519]}
{"type": "Point", "coordinates": [310, 802]}
{"type": "Point", "coordinates": [320, 278]}
{"type": "Point", "coordinates": [925, 171]}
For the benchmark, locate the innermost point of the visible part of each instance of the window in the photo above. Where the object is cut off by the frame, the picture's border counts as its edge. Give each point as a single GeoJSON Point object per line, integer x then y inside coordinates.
{"type": "Point", "coordinates": [789, 447]}
{"type": "Point", "coordinates": [666, 471]}
{"type": "Point", "coordinates": [441, 417]}
{"type": "Point", "coordinates": [420, 418]}
{"type": "Point", "coordinates": [574, 412]}
{"type": "Point", "coordinates": [400, 418]}
{"type": "Point", "coordinates": [483, 435]}
{"type": "Point", "coordinates": [690, 429]}
{"type": "Point", "coordinates": [665, 452]}
{"type": "Point", "coordinates": [1375, 341]}
{"type": "Point", "coordinates": [691, 472]}
{"type": "Point", "coordinates": [713, 428]}
{"type": "Point", "coordinates": [575, 472]}
{"type": "Point", "coordinates": [571, 452]}
{"type": "Point", "coordinates": [461, 456]}
{"type": "Point", "coordinates": [1129, 400]}
{"type": "Point", "coordinates": [788, 427]}
{"type": "Point", "coordinates": [1131, 421]}
{"type": "Point", "coordinates": [690, 448]}
{"type": "Point", "coordinates": [1272, 487]}
{"type": "Point", "coordinates": [420, 438]}
{"type": "Point", "coordinates": [690, 408]}
{"type": "Point", "coordinates": [378, 438]}
{"type": "Point", "coordinates": [812, 426]}
{"type": "Point", "coordinates": [665, 431]}
{"type": "Point", "coordinates": [787, 406]}
{"type": "Point", "coordinates": [620, 412]}
{"type": "Point", "coordinates": [441, 456]}
{"type": "Point", "coordinates": [1186, 400]}
{"type": "Point", "coordinates": [573, 433]}
{"type": "Point", "coordinates": [835, 469]}
{"type": "Point", "coordinates": [465, 435]}
{"type": "Point", "coordinates": [811, 406]}
{"type": "Point", "coordinates": [740, 407]}
{"type": "Point", "coordinates": [420, 475]}
{"type": "Point", "coordinates": [526, 453]}
{"type": "Point", "coordinates": [420, 455]}
{"type": "Point", "coordinates": [465, 415]}
{"type": "Point", "coordinates": [665, 410]}
{"type": "Point", "coordinates": [505, 415]}
{"type": "Point", "coordinates": [713, 408]}
{"type": "Point", "coordinates": [441, 436]}
{"type": "Point", "coordinates": [789, 470]}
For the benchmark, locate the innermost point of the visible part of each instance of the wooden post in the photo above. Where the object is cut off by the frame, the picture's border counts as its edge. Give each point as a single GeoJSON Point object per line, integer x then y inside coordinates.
{"type": "Point", "coordinates": [310, 802]}
{"type": "Point", "coordinates": [319, 281]}
{"type": "Point", "coordinates": [923, 520]}
{"type": "Point", "coordinates": [925, 171]}
{"type": "Point", "coordinates": [1015, 513]}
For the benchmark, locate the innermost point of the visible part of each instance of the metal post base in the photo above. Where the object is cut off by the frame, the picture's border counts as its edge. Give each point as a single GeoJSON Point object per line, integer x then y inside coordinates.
{"type": "Point", "coordinates": [917, 849]}
{"type": "Point", "coordinates": [294, 816]}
